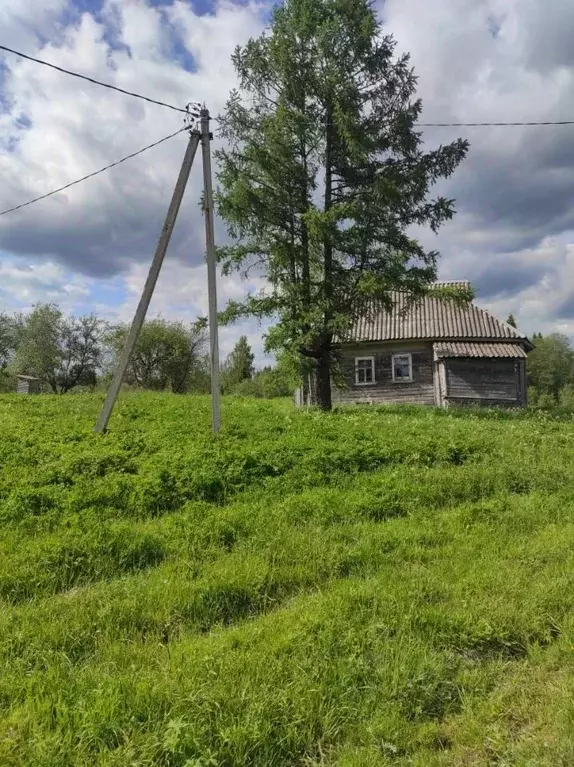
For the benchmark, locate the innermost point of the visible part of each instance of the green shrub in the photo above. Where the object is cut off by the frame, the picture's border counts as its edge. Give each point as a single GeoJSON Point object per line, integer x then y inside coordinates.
{"type": "Point", "coordinates": [566, 397]}
{"type": "Point", "coordinates": [266, 384]}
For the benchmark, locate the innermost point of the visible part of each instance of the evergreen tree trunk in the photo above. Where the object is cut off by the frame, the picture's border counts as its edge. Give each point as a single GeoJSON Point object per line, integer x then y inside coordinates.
{"type": "Point", "coordinates": [323, 361]}
{"type": "Point", "coordinates": [305, 256]}
{"type": "Point", "coordinates": [323, 373]}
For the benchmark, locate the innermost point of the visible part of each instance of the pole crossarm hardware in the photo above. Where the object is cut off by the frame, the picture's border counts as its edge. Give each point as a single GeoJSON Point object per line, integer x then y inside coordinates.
{"type": "Point", "coordinates": [141, 311]}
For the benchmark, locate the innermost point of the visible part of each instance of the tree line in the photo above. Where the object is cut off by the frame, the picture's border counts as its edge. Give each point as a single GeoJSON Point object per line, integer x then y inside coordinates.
{"type": "Point", "coordinates": [550, 371]}
{"type": "Point", "coordinates": [70, 354]}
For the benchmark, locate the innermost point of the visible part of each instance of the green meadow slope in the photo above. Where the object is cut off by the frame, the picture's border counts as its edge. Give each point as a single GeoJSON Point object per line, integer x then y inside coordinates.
{"type": "Point", "coordinates": [370, 587]}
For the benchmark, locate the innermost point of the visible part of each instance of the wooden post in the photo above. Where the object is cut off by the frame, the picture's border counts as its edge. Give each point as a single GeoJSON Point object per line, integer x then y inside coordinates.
{"type": "Point", "coordinates": [211, 271]}
{"type": "Point", "coordinates": [150, 284]}
{"type": "Point", "coordinates": [443, 383]}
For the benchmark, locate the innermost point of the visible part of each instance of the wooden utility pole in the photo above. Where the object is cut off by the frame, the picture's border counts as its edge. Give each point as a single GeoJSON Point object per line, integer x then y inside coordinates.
{"type": "Point", "coordinates": [211, 269]}
{"type": "Point", "coordinates": [150, 284]}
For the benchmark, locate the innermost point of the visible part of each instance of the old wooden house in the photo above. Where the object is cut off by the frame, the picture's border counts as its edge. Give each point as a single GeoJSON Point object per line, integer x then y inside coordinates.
{"type": "Point", "coordinates": [430, 352]}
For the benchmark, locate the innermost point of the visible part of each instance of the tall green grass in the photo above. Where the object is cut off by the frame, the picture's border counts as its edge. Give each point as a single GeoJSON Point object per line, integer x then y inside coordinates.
{"type": "Point", "coordinates": [388, 586]}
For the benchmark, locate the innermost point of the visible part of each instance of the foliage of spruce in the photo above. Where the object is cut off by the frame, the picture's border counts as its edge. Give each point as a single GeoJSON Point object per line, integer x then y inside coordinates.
{"type": "Point", "coordinates": [324, 174]}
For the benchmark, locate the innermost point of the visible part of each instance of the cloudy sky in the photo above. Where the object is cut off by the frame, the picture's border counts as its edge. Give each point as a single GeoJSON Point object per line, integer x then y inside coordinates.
{"type": "Point", "coordinates": [89, 248]}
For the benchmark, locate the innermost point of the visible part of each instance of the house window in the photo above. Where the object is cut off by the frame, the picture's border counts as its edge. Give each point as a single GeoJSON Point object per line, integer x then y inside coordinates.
{"type": "Point", "coordinates": [364, 370]}
{"type": "Point", "coordinates": [402, 367]}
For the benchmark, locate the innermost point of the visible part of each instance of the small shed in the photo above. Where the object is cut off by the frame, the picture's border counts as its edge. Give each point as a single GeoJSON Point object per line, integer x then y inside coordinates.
{"type": "Point", "coordinates": [28, 385]}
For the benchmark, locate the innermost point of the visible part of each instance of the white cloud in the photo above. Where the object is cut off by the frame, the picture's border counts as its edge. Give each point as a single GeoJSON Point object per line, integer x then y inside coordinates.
{"type": "Point", "coordinates": [21, 22]}
{"type": "Point", "coordinates": [106, 223]}
{"type": "Point", "coordinates": [181, 294]}
{"type": "Point", "coordinates": [477, 60]}
{"type": "Point", "coordinates": [22, 286]}
{"type": "Point", "coordinates": [546, 305]}
{"type": "Point", "coordinates": [490, 61]}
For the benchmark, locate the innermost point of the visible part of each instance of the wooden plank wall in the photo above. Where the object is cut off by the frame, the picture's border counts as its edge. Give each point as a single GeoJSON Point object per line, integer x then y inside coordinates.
{"type": "Point", "coordinates": [486, 380]}
{"type": "Point", "coordinates": [420, 391]}
{"type": "Point", "coordinates": [522, 379]}
{"type": "Point", "coordinates": [28, 386]}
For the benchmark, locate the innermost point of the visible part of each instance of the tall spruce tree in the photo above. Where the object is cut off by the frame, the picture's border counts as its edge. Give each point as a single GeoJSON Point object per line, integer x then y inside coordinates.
{"type": "Point", "coordinates": [325, 174]}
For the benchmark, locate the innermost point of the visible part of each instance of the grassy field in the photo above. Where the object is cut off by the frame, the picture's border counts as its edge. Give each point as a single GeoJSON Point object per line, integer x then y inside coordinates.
{"type": "Point", "coordinates": [370, 587]}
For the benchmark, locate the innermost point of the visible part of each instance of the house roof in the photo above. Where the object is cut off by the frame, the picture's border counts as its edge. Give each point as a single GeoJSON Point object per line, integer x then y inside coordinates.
{"type": "Point", "coordinates": [430, 318]}
{"type": "Point", "coordinates": [480, 349]}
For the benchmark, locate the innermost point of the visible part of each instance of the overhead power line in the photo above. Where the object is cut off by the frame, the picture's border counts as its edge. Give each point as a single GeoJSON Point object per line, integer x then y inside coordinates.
{"type": "Point", "coordinates": [92, 80]}
{"type": "Point", "coordinates": [471, 125]}
{"type": "Point", "coordinates": [186, 111]}
{"type": "Point", "coordinates": [91, 175]}
{"type": "Point", "coordinates": [492, 125]}
{"type": "Point", "coordinates": [449, 124]}
{"type": "Point", "coordinates": [468, 125]}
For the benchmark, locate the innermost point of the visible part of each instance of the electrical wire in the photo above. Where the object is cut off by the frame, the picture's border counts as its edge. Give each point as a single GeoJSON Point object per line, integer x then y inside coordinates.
{"type": "Point", "coordinates": [445, 124]}
{"type": "Point", "coordinates": [92, 80]}
{"type": "Point", "coordinates": [491, 125]}
{"type": "Point", "coordinates": [466, 125]}
{"type": "Point", "coordinates": [185, 111]}
{"type": "Point", "coordinates": [91, 175]}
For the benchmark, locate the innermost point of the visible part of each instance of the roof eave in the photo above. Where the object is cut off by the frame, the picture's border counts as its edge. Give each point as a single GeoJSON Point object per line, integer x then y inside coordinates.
{"type": "Point", "coordinates": [524, 341]}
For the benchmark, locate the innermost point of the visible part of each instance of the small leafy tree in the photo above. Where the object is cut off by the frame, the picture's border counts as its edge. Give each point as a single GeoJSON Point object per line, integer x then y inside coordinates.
{"type": "Point", "coordinates": [165, 355]}
{"type": "Point", "coordinates": [63, 352]}
{"type": "Point", "coordinates": [39, 352]}
{"type": "Point", "coordinates": [238, 366]}
{"type": "Point", "coordinates": [81, 345]}
{"type": "Point", "coordinates": [267, 383]}
{"type": "Point", "coordinates": [551, 365]}
{"type": "Point", "coordinates": [7, 340]}
{"type": "Point", "coordinates": [566, 399]}
{"type": "Point", "coordinates": [7, 350]}
{"type": "Point", "coordinates": [200, 379]}
{"type": "Point", "coordinates": [325, 174]}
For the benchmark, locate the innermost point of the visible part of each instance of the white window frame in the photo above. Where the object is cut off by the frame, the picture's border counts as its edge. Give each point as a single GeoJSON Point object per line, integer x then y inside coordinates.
{"type": "Point", "coordinates": [363, 359]}
{"type": "Point", "coordinates": [410, 358]}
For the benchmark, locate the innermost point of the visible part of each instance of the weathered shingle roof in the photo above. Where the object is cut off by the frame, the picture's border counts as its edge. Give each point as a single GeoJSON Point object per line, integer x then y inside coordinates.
{"type": "Point", "coordinates": [430, 318]}
{"type": "Point", "coordinates": [480, 349]}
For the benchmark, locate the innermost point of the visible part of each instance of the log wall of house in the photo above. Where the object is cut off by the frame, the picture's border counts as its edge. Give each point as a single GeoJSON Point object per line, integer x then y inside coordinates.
{"type": "Point", "coordinates": [491, 382]}
{"type": "Point", "coordinates": [419, 391]}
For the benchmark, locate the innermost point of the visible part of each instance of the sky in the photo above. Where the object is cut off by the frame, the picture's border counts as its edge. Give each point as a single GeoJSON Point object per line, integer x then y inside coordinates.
{"type": "Point", "coordinates": [89, 248]}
